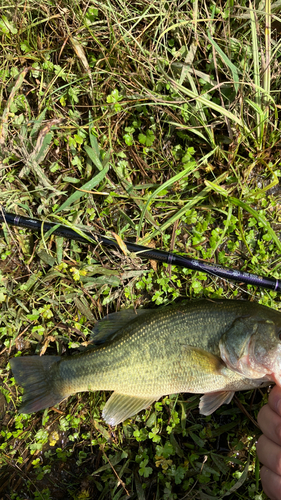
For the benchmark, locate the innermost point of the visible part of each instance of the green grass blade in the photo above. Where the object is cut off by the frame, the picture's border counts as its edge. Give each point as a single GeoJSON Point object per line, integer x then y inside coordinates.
{"type": "Point", "coordinates": [66, 222]}
{"type": "Point", "coordinates": [191, 203]}
{"type": "Point", "coordinates": [227, 62]}
{"type": "Point", "coordinates": [166, 185]}
{"type": "Point", "coordinates": [88, 187]}
{"type": "Point", "coordinates": [94, 154]}
{"type": "Point", "coordinates": [259, 218]}
{"type": "Point", "coordinates": [38, 123]}
{"type": "Point", "coordinates": [208, 103]}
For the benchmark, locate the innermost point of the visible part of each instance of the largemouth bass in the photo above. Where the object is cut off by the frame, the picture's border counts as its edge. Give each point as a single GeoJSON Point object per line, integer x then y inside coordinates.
{"type": "Point", "coordinates": [205, 346]}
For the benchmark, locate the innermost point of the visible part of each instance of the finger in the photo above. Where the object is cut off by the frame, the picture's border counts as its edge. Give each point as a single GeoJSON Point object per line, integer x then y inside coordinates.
{"type": "Point", "coordinates": [270, 424]}
{"type": "Point", "coordinates": [269, 454]}
{"type": "Point", "coordinates": [271, 483]}
{"type": "Point", "coordinates": [274, 399]}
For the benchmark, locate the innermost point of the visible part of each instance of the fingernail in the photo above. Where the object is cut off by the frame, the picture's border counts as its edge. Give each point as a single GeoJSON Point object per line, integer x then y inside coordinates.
{"type": "Point", "coordinates": [275, 399]}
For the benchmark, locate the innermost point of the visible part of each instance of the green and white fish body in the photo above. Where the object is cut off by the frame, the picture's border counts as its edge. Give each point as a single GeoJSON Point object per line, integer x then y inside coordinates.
{"type": "Point", "coordinates": [204, 346]}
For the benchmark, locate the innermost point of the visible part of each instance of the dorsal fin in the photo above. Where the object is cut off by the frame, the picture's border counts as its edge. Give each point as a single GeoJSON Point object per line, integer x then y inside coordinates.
{"type": "Point", "coordinates": [111, 324]}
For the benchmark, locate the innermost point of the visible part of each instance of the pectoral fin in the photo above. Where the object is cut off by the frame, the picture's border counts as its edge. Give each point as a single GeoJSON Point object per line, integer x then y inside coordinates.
{"type": "Point", "coordinates": [213, 400]}
{"type": "Point", "coordinates": [200, 359]}
{"type": "Point", "coordinates": [119, 407]}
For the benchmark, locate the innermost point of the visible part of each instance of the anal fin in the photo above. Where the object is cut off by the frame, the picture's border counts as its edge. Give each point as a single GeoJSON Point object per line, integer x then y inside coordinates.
{"type": "Point", "coordinates": [119, 407]}
{"type": "Point", "coordinates": [213, 400]}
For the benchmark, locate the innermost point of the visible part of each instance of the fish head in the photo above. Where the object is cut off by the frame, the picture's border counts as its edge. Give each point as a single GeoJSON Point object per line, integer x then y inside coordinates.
{"type": "Point", "coordinates": [265, 350]}
{"type": "Point", "coordinates": [252, 347]}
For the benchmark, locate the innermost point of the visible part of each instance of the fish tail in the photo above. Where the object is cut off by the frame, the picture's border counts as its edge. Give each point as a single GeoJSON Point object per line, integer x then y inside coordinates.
{"type": "Point", "coordinates": [37, 375]}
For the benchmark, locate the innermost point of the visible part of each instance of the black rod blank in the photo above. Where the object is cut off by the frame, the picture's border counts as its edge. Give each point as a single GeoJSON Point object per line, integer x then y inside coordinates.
{"type": "Point", "coordinates": [143, 252]}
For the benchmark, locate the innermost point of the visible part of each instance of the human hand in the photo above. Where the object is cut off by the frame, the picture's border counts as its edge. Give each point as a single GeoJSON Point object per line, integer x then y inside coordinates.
{"type": "Point", "coordinates": [269, 445]}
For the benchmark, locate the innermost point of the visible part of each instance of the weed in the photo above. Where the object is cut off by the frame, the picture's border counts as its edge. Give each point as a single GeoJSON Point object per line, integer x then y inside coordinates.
{"type": "Point", "coordinates": [158, 121]}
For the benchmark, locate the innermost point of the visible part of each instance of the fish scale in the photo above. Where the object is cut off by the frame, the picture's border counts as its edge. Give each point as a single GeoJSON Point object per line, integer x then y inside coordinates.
{"type": "Point", "coordinates": [189, 347]}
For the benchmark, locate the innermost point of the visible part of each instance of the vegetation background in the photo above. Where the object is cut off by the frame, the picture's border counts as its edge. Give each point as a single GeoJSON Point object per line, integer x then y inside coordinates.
{"type": "Point", "coordinates": [159, 121]}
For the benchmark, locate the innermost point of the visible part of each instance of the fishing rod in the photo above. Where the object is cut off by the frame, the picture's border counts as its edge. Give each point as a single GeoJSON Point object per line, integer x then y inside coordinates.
{"type": "Point", "coordinates": [142, 251]}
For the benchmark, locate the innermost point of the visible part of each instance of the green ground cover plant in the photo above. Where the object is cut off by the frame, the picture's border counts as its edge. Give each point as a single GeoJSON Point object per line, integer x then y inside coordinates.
{"type": "Point", "coordinates": [158, 121]}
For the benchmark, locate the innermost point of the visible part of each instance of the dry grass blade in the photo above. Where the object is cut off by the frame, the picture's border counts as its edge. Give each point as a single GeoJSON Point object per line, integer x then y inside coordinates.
{"type": "Point", "coordinates": [82, 56]}
{"type": "Point", "coordinates": [6, 112]}
{"type": "Point", "coordinates": [39, 153]}
{"type": "Point", "coordinates": [267, 69]}
{"type": "Point", "coordinates": [121, 243]}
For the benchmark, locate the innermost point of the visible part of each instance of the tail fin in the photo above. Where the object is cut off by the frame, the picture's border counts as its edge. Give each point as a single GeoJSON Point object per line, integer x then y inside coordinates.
{"type": "Point", "coordinates": [36, 374]}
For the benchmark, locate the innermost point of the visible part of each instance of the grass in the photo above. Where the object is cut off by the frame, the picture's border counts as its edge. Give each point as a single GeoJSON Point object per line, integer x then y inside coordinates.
{"type": "Point", "coordinates": [157, 121]}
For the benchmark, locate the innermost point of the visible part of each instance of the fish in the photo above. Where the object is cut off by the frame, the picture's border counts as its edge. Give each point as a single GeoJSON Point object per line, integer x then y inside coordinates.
{"type": "Point", "coordinates": [209, 347]}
